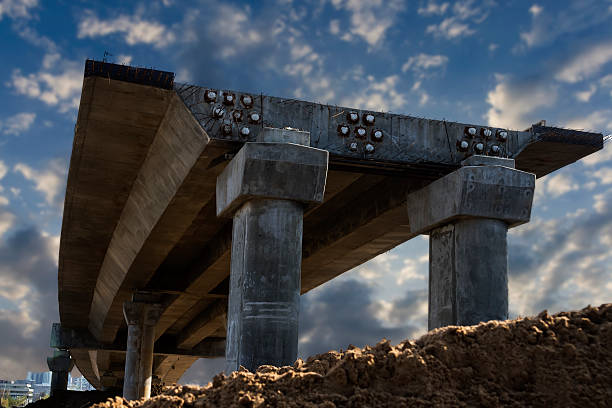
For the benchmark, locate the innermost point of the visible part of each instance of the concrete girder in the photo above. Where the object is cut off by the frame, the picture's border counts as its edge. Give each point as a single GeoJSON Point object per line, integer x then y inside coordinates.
{"type": "Point", "coordinates": [165, 197]}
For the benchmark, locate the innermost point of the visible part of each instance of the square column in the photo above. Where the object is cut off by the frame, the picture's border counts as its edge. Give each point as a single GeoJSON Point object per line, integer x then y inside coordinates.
{"type": "Point", "coordinates": [141, 319]}
{"type": "Point", "coordinates": [467, 215]}
{"type": "Point", "coordinates": [265, 189]}
{"type": "Point", "coordinates": [60, 365]}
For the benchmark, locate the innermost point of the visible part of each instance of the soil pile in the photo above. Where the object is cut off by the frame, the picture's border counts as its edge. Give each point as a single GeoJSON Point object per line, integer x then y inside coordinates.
{"type": "Point", "coordinates": [560, 360]}
{"type": "Point", "coordinates": [73, 399]}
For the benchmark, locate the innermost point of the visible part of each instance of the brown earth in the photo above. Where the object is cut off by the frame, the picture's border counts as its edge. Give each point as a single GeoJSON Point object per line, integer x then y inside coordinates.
{"type": "Point", "coordinates": [546, 361]}
{"type": "Point", "coordinates": [73, 399]}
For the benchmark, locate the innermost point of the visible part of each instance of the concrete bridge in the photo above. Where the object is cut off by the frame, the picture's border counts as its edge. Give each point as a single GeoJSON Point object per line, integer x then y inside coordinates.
{"type": "Point", "coordinates": [172, 186]}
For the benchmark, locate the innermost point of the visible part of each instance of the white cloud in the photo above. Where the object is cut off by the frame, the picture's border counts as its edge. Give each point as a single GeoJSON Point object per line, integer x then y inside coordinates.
{"type": "Point", "coordinates": [560, 184]}
{"type": "Point", "coordinates": [378, 95]}
{"type": "Point", "coordinates": [134, 28]}
{"type": "Point", "coordinates": [433, 8]}
{"type": "Point", "coordinates": [514, 104]}
{"type": "Point", "coordinates": [585, 63]}
{"type": "Point", "coordinates": [123, 59]}
{"type": "Point", "coordinates": [50, 181]}
{"type": "Point", "coordinates": [493, 47]}
{"type": "Point", "coordinates": [585, 96]}
{"type": "Point", "coordinates": [604, 175]}
{"type": "Point", "coordinates": [599, 119]}
{"type": "Point", "coordinates": [334, 27]}
{"type": "Point", "coordinates": [536, 10]}
{"type": "Point", "coordinates": [58, 84]}
{"type": "Point", "coordinates": [17, 124]}
{"type": "Point", "coordinates": [425, 61]}
{"type": "Point", "coordinates": [573, 17]}
{"type": "Point", "coordinates": [16, 8]}
{"type": "Point", "coordinates": [7, 220]}
{"type": "Point", "coordinates": [463, 20]}
{"type": "Point", "coordinates": [450, 28]}
{"type": "Point", "coordinates": [370, 19]}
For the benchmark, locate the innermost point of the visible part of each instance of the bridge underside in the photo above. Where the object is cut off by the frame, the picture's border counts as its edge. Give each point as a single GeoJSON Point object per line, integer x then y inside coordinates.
{"type": "Point", "coordinates": [140, 209]}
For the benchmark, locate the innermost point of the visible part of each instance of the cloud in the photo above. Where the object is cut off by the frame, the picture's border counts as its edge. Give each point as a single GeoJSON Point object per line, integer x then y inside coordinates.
{"type": "Point", "coordinates": [50, 181]}
{"type": "Point", "coordinates": [535, 10]}
{"type": "Point", "coordinates": [586, 63]}
{"type": "Point", "coordinates": [203, 370]}
{"type": "Point", "coordinates": [16, 8]}
{"type": "Point", "coordinates": [424, 62]}
{"type": "Point", "coordinates": [585, 96]}
{"type": "Point", "coordinates": [465, 15]}
{"type": "Point", "coordinates": [433, 8]}
{"type": "Point", "coordinates": [28, 299]}
{"type": "Point", "coordinates": [58, 83]}
{"type": "Point", "coordinates": [514, 103]}
{"type": "Point", "coordinates": [340, 313]}
{"type": "Point", "coordinates": [563, 263]}
{"type": "Point", "coordinates": [383, 95]}
{"type": "Point", "coordinates": [17, 124]}
{"type": "Point", "coordinates": [599, 119]}
{"type": "Point", "coordinates": [559, 184]}
{"type": "Point", "coordinates": [134, 29]}
{"type": "Point", "coordinates": [573, 17]}
{"type": "Point", "coordinates": [370, 19]}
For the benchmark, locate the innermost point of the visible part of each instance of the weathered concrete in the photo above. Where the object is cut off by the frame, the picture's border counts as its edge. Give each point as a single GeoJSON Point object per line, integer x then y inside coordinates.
{"type": "Point", "coordinates": [60, 365]}
{"type": "Point", "coordinates": [468, 280]}
{"type": "Point", "coordinates": [265, 187]}
{"type": "Point", "coordinates": [141, 319]}
{"type": "Point", "coordinates": [272, 170]}
{"type": "Point", "coordinates": [473, 191]}
{"type": "Point", "coordinates": [481, 160]}
{"type": "Point", "coordinates": [140, 206]}
{"type": "Point", "coordinates": [467, 215]}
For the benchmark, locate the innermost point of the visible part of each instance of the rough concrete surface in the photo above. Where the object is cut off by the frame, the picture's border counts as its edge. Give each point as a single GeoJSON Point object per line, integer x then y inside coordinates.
{"type": "Point", "coordinates": [561, 360]}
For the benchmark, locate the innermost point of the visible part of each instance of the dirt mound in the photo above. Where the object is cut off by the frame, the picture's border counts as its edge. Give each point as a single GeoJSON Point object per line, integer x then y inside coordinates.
{"type": "Point", "coordinates": [72, 399]}
{"type": "Point", "coordinates": [561, 360]}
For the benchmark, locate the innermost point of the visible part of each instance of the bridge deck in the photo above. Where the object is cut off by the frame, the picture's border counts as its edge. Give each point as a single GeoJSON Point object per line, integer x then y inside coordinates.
{"type": "Point", "coordinates": [140, 201]}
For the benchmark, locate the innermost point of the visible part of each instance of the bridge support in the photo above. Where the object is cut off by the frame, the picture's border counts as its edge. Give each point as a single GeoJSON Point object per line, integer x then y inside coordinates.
{"type": "Point", "coordinates": [141, 319]}
{"type": "Point", "coordinates": [265, 188]}
{"type": "Point", "coordinates": [60, 365]}
{"type": "Point", "coordinates": [467, 215]}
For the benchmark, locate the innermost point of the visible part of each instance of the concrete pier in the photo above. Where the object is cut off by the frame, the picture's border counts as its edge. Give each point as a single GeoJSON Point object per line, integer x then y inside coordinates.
{"type": "Point", "coordinates": [467, 215]}
{"type": "Point", "coordinates": [141, 319]}
{"type": "Point", "coordinates": [60, 365]}
{"type": "Point", "coordinates": [265, 188]}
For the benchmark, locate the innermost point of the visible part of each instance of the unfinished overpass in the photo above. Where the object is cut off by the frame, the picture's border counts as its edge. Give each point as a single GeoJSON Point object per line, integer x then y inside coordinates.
{"type": "Point", "coordinates": [161, 174]}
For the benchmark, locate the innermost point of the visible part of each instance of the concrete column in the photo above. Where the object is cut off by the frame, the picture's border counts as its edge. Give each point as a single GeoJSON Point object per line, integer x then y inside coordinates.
{"type": "Point", "coordinates": [151, 316]}
{"type": "Point", "coordinates": [467, 215]}
{"type": "Point", "coordinates": [265, 188]}
{"type": "Point", "coordinates": [60, 365]}
{"type": "Point", "coordinates": [141, 319]}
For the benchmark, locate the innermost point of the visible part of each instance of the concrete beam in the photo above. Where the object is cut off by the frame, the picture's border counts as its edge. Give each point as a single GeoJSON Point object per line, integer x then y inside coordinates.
{"type": "Point", "coordinates": [204, 325]}
{"type": "Point", "coordinates": [474, 191]}
{"type": "Point", "coordinates": [282, 171]}
{"type": "Point", "coordinates": [165, 198]}
{"type": "Point", "coordinates": [82, 340]}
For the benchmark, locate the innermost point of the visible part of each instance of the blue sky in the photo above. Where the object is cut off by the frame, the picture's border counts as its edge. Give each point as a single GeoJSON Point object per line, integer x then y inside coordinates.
{"type": "Point", "coordinates": [502, 63]}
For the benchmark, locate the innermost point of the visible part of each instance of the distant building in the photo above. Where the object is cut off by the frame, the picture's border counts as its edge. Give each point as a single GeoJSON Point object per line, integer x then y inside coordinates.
{"type": "Point", "coordinates": [40, 378]}
{"type": "Point", "coordinates": [17, 389]}
{"type": "Point", "coordinates": [79, 384]}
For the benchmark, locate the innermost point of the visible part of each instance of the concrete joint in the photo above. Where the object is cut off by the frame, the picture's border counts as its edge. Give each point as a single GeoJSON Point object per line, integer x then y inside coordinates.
{"type": "Point", "coordinates": [60, 362]}
{"type": "Point", "coordinates": [481, 160]}
{"type": "Point", "coordinates": [493, 192]}
{"type": "Point", "coordinates": [283, 171]}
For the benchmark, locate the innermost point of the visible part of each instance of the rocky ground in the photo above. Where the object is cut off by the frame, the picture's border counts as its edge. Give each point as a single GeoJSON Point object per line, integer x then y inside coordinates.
{"type": "Point", "coordinates": [544, 361]}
